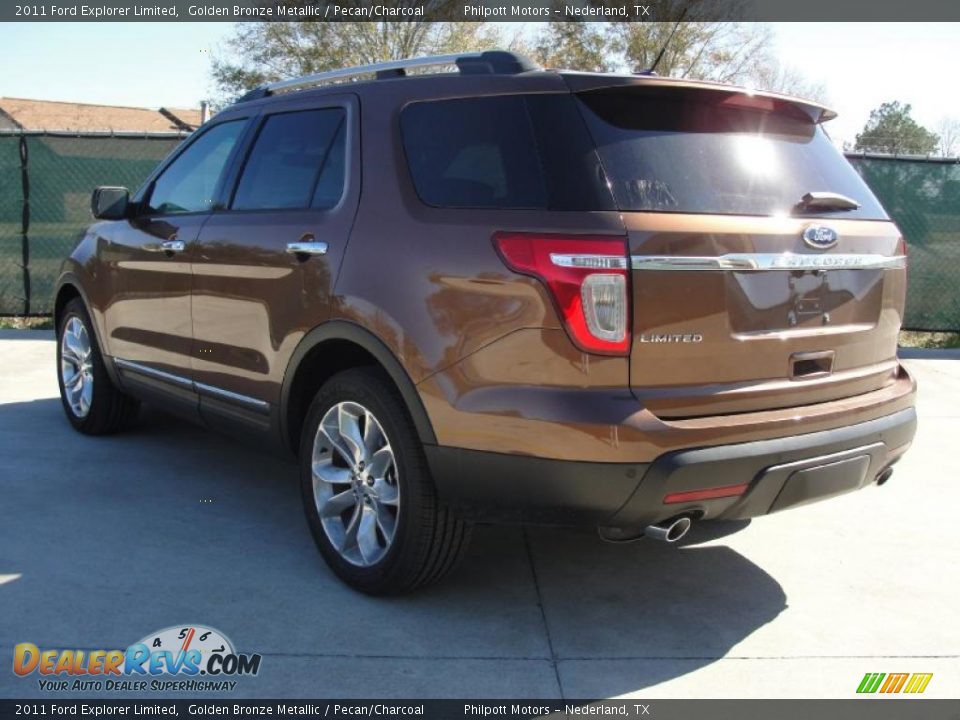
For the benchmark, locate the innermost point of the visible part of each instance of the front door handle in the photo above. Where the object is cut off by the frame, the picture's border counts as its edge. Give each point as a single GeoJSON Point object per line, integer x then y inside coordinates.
{"type": "Point", "coordinates": [168, 246]}
{"type": "Point", "coordinates": [307, 248]}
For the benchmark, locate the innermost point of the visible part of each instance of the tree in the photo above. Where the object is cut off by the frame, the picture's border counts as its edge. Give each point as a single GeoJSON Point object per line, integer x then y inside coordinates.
{"type": "Point", "coordinates": [776, 77]}
{"type": "Point", "coordinates": [949, 131]}
{"type": "Point", "coordinates": [263, 52]}
{"type": "Point", "coordinates": [701, 49]}
{"type": "Point", "coordinates": [890, 129]}
{"type": "Point", "coordinates": [721, 51]}
{"type": "Point", "coordinates": [573, 45]}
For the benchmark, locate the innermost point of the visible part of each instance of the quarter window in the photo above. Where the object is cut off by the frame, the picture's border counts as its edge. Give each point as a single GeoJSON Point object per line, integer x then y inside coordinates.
{"type": "Point", "coordinates": [517, 151]}
{"type": "Point", "coordinates": [297, 161]}
{"type": "Point", "coordinates": [190, 182]}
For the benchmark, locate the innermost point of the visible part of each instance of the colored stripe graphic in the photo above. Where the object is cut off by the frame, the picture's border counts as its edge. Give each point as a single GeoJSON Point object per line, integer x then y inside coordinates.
{"type": "Point", "coordinates": [894, 683]}
{"type": "Point", "coordinates": [918, 683]}
{"type": "Point", "coordinates": [870, 682]}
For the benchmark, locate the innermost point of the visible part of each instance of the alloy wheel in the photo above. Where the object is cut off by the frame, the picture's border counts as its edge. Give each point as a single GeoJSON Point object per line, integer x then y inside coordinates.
{"type": "Point", "coordinates": [76, 366]}
{"type": "Point", "coordinates": [355, 484]}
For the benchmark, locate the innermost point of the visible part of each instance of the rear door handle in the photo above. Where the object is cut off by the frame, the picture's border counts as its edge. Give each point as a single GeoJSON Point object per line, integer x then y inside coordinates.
{"type": "Point", "coordinates": [168, 246]}
{"type": "Point", "coordinates": [307, 248]}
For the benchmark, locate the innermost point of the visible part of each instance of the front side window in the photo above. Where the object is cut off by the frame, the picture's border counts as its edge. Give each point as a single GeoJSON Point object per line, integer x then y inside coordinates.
{"type": "Point", "coordinates": [190, 182]}
{"type": "Point", "coordinates": [297, 161]}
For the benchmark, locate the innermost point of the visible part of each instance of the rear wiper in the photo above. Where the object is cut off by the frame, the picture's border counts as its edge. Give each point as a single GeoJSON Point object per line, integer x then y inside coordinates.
{"type": "Point", "coordinates": [825, 201]}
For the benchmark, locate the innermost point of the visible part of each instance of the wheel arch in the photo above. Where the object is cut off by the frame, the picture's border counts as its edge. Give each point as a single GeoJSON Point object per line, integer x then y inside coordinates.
{"type": "Point", "coordinates": [67, 290]}
{"type": "Point", "coordinates": [327, 349]}
{"type": "Point", "coordinates": [69, 287]}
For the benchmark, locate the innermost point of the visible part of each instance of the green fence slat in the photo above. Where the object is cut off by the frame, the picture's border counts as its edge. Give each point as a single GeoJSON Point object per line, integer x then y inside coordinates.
{"type": "Point", "coordinates": [923, 198]}
{"type": "Point", "coordinates": [63, 171]}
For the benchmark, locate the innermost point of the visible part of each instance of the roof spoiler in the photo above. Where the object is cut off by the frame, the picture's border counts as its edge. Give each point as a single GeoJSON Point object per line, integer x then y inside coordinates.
{"type": "Point", "coordinates": [586, 82]}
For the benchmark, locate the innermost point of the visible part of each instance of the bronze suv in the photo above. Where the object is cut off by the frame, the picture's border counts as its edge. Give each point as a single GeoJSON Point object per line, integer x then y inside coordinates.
{"type": "Point", "coordinates": [490, 292]}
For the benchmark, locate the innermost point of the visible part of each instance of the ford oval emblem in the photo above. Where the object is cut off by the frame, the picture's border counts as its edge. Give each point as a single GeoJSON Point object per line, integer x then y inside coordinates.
{"type": "Point", "coordinates": [820, 237]}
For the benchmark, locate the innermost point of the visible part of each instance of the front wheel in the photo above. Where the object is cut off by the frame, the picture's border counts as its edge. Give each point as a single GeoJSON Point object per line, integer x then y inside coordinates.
{"type": "Point", "coordinates": [370, 502]}
{"type": "Point", "coordinates": [92, 404]}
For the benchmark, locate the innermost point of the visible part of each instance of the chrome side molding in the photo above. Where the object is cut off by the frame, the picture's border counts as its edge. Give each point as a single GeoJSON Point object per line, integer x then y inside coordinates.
{"type": "Point", "coordinates": [213, 391]}
{"type": "Point", "coordinates": [753, 262]}
{"type": "Point", "coordinates": [188, 384]}
{"type": "Point", "coordinates": [154, 373]}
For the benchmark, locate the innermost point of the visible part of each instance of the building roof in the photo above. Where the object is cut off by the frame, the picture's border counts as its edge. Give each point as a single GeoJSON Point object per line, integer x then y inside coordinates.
{"type": "Point", "coordinates": [28, 114]}
{"type": "Point", "coordinates": [190, 118]}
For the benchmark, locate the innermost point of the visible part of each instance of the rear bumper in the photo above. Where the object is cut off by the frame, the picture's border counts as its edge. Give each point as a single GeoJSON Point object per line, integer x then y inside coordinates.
{"type": "Point", "coordinates": [779, 474]}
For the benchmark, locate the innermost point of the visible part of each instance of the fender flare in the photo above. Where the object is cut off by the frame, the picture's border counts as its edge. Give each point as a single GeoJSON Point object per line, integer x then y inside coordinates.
{"type": "Point", "coordinates": [69, 278]}
{"type": "Point", "coordinates": [351, 332]}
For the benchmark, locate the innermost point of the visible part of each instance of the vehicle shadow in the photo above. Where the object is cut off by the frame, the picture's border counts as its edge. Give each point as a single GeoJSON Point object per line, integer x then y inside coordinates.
{"type": "Point", "coordinates": [625, 617]}
{"type": "Point", "coordinates": [907, 353]}
{"type": "Point", "coordinates": [168, 524]}
{"type": "Point", "coordinates": [13, 334]}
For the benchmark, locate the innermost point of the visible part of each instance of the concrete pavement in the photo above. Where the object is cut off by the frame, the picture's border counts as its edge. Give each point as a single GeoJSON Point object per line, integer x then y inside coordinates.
{"type": "Point", "coordinates": [103, 540]}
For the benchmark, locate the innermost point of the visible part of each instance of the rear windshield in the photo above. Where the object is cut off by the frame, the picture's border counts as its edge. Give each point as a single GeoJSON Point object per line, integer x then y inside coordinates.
{"type": "Point", "coordinates": [512, 151]}
{"type": "Point", "coordinates": [671, 150]}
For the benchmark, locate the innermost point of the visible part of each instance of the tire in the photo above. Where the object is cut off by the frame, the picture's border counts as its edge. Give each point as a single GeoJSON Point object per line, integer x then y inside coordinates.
{"type": "Point", "coordinates": [383, 530]}
{"type": "Point", "coordinates": [91, 402]}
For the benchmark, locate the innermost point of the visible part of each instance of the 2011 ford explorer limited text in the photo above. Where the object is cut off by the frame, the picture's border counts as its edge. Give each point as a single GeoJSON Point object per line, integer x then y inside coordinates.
{"type": "Point", "coordinates": [493, 292]}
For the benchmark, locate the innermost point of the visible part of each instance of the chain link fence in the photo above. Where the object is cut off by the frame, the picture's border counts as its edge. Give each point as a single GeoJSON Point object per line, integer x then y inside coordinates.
{"type": "Point", "coordinates": [923, 196]}
{"type": "Point", "coordinates": [46, 180]}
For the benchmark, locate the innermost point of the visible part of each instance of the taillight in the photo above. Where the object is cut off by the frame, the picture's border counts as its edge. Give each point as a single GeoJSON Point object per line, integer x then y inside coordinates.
{"type": "Point", "coordinates": [588, 278]}
{"type": "Point", "coordinates": [903, 250]}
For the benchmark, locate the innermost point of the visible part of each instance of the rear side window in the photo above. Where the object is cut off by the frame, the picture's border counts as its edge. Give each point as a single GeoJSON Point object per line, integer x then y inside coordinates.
{"type": "Point", "coordinates": [297, 161]}
{"type": "Point", "coordinates": [517, 151]}
{"type": "Point", "coordinates": [672, 150]}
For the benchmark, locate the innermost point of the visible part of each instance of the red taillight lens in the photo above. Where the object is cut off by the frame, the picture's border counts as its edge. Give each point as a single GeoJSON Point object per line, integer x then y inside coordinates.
{"type": "Point", "coordinates": [902, 248]}
{"type": "Point", "coordinates": [588, 278]}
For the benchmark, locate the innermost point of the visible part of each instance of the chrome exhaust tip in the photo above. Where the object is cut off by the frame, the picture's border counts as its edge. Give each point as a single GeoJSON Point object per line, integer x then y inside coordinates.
{"type": "Point", "coordinates": [884, 476]}
{"type": "Point", "coordinates": [669, 531]}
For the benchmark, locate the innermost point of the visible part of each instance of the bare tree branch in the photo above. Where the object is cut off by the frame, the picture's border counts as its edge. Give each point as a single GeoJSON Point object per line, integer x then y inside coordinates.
{"type": "Point", "coordinates": [261, 52]}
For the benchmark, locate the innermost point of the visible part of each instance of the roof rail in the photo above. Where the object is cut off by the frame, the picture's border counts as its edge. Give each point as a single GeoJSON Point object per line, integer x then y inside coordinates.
{"type": "Point", "coordinates": [488, 62]}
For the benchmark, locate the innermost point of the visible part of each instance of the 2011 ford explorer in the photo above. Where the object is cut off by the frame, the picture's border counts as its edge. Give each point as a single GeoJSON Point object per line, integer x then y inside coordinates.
{"type": "Point", "coordinates": [493, 292]}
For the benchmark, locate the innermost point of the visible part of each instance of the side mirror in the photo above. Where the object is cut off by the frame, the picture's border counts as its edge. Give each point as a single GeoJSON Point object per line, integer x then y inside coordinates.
{"type": "Point", "coordinates": [110, 203]}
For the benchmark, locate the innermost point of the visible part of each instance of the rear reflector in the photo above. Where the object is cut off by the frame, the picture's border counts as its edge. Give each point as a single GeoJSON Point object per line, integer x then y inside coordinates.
{"type": "Point", "coordinates": [706, 494]}
{"type": "Point", "coordinates": [588, 278]}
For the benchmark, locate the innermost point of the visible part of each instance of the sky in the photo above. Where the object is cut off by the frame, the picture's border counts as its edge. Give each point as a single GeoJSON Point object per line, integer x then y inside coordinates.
{"type": "Point", "coordinates": [861, 65]}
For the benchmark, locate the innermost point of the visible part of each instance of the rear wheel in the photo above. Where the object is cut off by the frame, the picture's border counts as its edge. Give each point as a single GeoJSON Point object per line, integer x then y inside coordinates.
{"type": "Point", "coordinates": [369, 500]}
{"type": "Point", "coordinates": [91, 402]}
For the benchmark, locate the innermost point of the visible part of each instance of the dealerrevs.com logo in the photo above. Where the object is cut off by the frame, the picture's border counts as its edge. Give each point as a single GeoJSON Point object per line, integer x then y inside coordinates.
{"type": "Point", "coordinates": [189, 658]}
